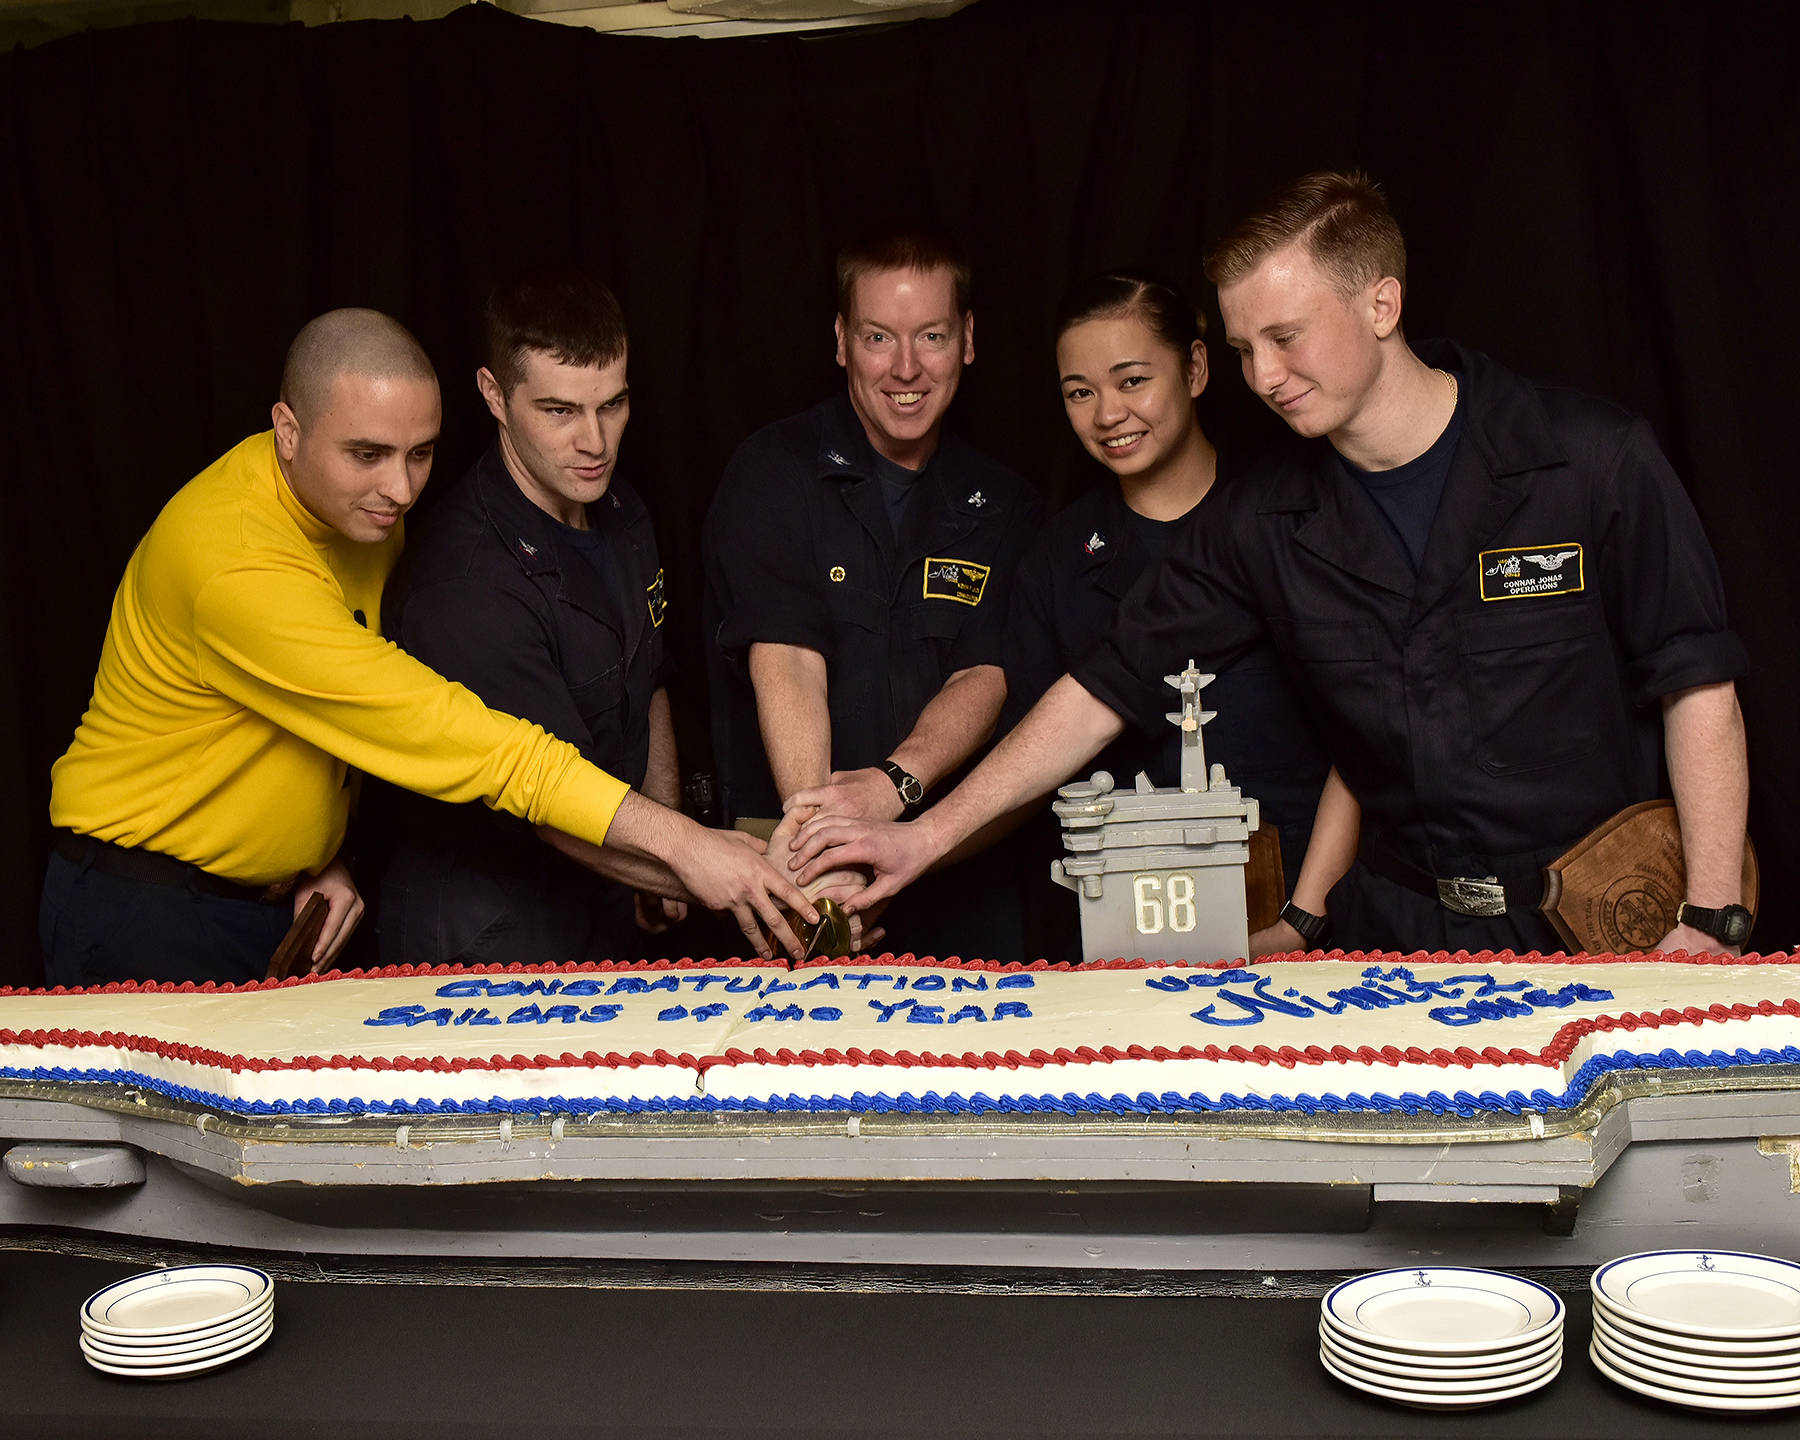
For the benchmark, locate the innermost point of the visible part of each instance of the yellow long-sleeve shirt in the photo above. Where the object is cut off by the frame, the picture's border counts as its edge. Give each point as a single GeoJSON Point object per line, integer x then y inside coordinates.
{"type": "Point", "coordinates": [243, 671]}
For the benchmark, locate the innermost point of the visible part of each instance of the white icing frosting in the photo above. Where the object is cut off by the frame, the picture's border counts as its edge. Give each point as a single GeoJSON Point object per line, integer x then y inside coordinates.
{"type": "Point", "coordinates": [697, 1036]}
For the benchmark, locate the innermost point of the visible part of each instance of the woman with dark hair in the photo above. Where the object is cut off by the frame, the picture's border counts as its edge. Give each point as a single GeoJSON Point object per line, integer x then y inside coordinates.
{"type": "Point", "coordinates": [1132, 360]}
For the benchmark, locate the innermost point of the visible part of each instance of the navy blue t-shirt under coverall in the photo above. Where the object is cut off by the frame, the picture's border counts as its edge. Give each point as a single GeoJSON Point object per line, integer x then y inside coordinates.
{"type": "Point", "coordinates": [1493, 706]}
{"type": "Point", "coordinates": [800, 550]}
{"type": "Point", "coordinates": [562, 627]}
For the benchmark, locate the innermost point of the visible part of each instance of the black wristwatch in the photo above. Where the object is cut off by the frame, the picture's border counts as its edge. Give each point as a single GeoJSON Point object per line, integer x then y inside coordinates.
{"type": "Point", "coordinates": [912, 793]}
{"type": "Point", "coordinates": [1313, 928]}
{"type": "Point", "coordinates": [1729, 924]}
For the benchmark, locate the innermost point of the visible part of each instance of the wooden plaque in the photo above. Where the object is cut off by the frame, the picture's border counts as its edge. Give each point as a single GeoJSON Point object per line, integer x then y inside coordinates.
{"type": "Point", "coordinates": [1265, 887]}
{"type": "Point", "coordinates": [296, 946]}
{"type": "Point", "coordinates": [1617, 891]}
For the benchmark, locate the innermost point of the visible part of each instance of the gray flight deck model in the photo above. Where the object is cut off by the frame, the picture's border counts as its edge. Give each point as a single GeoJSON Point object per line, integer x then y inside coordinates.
{"type": "Point", "coordinates": [1160, 873]}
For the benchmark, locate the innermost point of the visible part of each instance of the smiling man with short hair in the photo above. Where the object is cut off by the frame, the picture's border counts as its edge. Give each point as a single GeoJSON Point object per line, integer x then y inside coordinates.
{"type": "Point", "coordinates": [859, 558]}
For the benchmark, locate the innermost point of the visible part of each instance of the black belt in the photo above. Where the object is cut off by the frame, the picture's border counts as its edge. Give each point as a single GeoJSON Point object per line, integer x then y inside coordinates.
{"type": "Point", "coordinates": [1481, 896]}
{"type": "Point", "coordinates": [151, 868]}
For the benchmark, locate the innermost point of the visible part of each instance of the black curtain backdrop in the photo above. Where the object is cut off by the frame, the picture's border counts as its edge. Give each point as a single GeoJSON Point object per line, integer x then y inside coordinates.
{"type": "Point", "coordinates": [1597, 194]}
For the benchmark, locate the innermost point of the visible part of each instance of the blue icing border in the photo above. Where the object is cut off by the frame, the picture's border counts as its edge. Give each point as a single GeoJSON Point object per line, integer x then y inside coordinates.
{"type": "Point", "coordinates": [1169, 1102]}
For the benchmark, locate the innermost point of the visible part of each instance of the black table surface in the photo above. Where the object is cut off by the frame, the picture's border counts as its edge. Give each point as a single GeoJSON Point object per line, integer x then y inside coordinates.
{"type": "Point", "coordinates": [408, 1359]}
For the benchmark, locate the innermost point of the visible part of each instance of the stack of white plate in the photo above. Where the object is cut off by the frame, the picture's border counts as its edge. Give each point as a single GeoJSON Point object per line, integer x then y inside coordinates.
{"type": "Point", "coordinates": [1442, 1337]}
{"type": "Point", "coordinates": [1710, 1329]}
{"type": "Point", "coordinates": [178, 1321]}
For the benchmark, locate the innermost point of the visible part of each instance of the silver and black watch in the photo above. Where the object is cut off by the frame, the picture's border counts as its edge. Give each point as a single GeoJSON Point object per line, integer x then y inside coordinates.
{"type": "Point", "coordinates": [1729, 924]}
{"type": "Point", "coordinates": [912, 793]}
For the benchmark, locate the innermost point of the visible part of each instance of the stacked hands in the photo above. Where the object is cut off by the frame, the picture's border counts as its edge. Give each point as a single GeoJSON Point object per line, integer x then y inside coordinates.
{"type": "Point", "coordinates": [753, 879]}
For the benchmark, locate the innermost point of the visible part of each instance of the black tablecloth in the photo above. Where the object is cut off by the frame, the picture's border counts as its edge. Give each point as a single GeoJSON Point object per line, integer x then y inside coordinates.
{"type": "Point", "coordinates": [378, 1360]}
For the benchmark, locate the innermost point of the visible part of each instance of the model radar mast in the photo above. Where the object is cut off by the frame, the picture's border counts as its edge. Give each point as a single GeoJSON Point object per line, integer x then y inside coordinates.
{"type": "Point", "coordinates": [1159, 874]}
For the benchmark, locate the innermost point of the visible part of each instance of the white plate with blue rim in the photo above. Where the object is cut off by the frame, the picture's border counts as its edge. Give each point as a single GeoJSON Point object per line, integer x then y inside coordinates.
{"type": "Point", "coordinates": [1761, 1352]}
{"type": "Point", "coordinates": [1693, 1399]}
{"type": "Point", "coordinates": [1443, 1310]}
{"type": "Point", "coordinates": [1402, 1369]}
{"type": "Point", "coordinates": [1714, 1294]}
{"type": "Point", "coordinates": [172, 1366]}
{"type": "Point", "coordinates": [1442, 1397]}
{"type": "Point", "coordinates": [1737, 1383]}
{"type": "Point", "coordinates": [179, 1302]}
{"type": "Point", "coordinates": [1781, 1365]}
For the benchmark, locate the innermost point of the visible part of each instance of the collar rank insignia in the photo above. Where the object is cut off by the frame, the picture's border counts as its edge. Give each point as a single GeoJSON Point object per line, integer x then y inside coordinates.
{"type": "Point", "coordinates": [835, 458]}
{"type": "Point", "coordinates": [1095, 543]}
{"type": "Point", "coordinates": [528, 548]}
{"type": "Point", "coordinates": [977, 499]}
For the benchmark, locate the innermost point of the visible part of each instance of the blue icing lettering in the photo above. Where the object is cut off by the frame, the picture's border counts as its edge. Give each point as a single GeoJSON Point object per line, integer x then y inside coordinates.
{"type": "Point", "coordinates": [744, 985]}
{"type": "Point", "coordinates": [970, 1012]}
{"type": "Point", "coordinates": [398, 1015]}
{"type": "Point", "coordinates": [775, 986]}
{"type": "Point", "coordinates": [568, 1014]}
{"type": "Point", "coordinates": [825, 1012]}
{"type": "Point", "coordinates": [700, 982]}
{"type": "Point", "coordinates": [1489, 985]}
{"type": "Point", "coordinates": [1015, 982]}
{"type": "Point", "coordinates": [712, 1011]}
{"type": "Point", "coordinates": [963, 982]}
{"type": "Point", "coordinates": [1568, 995]}
{"type": "Point", "coordinates": [524, 987]}
{"type": "Point", "coordinates": [463, 989]}
{"type": "Point", "coordinates": [1173, 984]}
{"type": "Point", "coordinates": [1366, 997]}
{"type": "Point", "coordinates": [1212, 979]}
{"type": "Point", "coordinates": [865, 978]}
{"type": "Point", "coordinates": [888, 1011]}
{"type": "Point", "coordinates": [1254, 1003]}
{"type": "Point", "coordinates": [1415, 988]}
{"type": "Point", "coordinates": [600, 1014]}
{"type": "Point", "coordinates": [770, 1012]}
{"type": "Point", "coordinates": [629, 985]}
{"type": "Point", "coordinates": [524, 1014]}
{"type": "Point", "coordinates": [674, 1012]}
{"type": "Point", "coordinates": [482, 1016]}
{"type": "Point", "coordinates": [929, 982]}
{"type": "Point", "coordinates": [926, 1015]}
{"type": "Point", "coordinates": [1474, 1011]}
{"type": "Point", "coordinates": [825, 978]}
{"type": "Point", "coordinates": [583, 988]}
{"type": "Point", "coordinates": [1012, 1010]}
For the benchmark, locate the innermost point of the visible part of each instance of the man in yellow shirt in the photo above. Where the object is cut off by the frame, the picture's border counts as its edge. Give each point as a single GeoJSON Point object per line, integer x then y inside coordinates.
{"type": "Point", "coordinates": [243, 679]}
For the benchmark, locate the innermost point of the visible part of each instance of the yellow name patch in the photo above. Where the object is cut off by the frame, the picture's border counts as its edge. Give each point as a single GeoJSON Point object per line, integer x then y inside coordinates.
{"type": "Point", "coordinates": [960, 580]}
{"type": "Point", "coordinates": [1528, 570]}
{"type": "Point", "coordinates": [659, 605]}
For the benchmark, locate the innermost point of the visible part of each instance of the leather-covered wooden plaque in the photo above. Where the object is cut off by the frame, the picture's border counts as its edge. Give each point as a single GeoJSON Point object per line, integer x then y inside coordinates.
{"type": "Point", "coordinates": [1618, 889]}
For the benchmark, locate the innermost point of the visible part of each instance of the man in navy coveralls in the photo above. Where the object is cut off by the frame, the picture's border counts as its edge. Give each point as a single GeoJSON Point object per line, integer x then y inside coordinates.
{"type": "Point", "coordinates": [536, 584]}
{"type": "Point", "coordinates": [1496, 594]}
{"type": "Point", "coordinates": [858, 560]}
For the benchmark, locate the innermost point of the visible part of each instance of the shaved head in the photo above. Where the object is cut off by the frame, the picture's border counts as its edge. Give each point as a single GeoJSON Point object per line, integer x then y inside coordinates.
{"type": "Point", "coordinates": [348, 342]}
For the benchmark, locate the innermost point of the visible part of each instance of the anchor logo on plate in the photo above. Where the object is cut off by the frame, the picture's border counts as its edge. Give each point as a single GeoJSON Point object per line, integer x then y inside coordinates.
{"type": "Point", "coordinates": [1706, 1262]}
{"type": "Point", "coordinates": [1421, 1278]}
